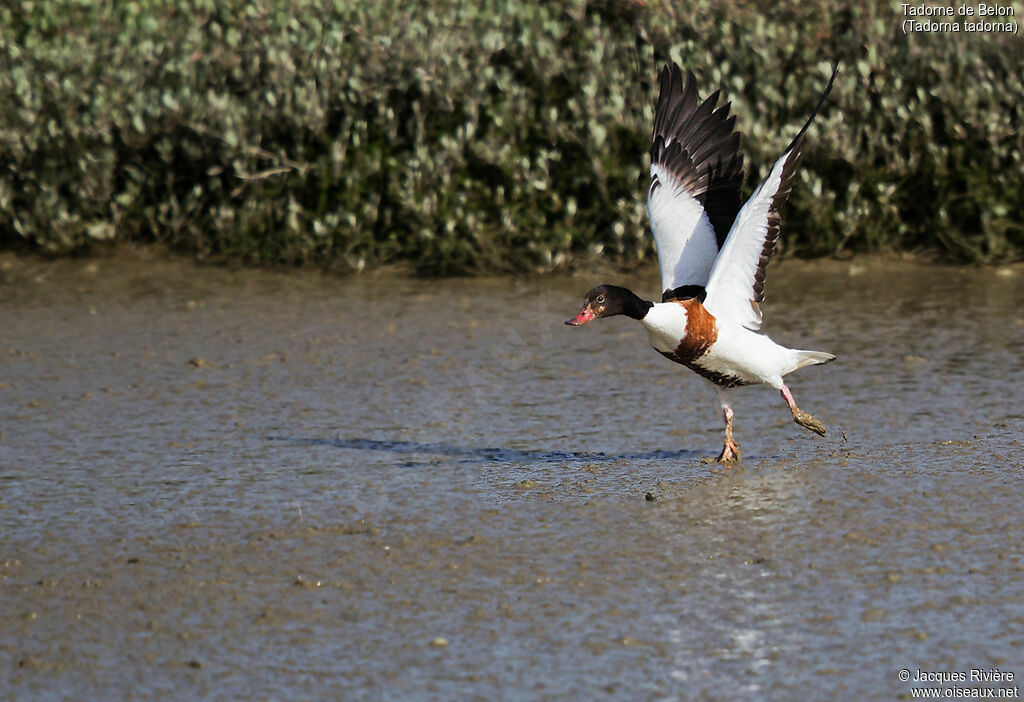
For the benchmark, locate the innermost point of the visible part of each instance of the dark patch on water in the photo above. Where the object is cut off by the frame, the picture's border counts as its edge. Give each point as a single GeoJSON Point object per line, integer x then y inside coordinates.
{"type": "Point", "coordinates": [483, 455]}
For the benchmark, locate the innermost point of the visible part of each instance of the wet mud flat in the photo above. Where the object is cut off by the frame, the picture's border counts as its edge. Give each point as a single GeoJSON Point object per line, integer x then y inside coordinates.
{"type": "Point", "coordinates": [224, 484]}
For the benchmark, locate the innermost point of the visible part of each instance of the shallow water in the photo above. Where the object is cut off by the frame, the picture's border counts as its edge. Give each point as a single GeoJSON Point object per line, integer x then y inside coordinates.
{"type": "Point", "coordinates": [251, 484]}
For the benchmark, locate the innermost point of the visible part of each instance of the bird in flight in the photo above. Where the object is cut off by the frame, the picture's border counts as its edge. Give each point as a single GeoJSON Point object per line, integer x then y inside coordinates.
{"type": "Point", "coordinates": [712, 252]}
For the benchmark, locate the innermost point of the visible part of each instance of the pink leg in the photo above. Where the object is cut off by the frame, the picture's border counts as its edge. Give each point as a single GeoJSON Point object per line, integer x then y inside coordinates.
{"type": "Point", "coordinates": [788, 397]}
{"type": "Point", "coordinates": [731, 449]}
{"type": "Point", "coordinates": [799, 416]}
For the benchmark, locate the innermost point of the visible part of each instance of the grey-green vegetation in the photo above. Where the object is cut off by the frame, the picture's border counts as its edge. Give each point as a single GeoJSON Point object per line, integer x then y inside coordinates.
{"type": "Point", "coordinates": [486, 136]}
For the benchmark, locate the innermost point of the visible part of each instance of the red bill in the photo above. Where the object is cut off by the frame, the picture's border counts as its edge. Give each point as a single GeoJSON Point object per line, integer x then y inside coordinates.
{"type": "Point", "coordinates": [585, 315]}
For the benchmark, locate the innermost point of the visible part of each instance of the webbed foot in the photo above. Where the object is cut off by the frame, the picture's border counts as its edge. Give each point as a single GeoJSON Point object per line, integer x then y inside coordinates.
{"type": "Point", "coordinates": [808, 422]}
{"type": "Point", "coordinates": [730, 452]}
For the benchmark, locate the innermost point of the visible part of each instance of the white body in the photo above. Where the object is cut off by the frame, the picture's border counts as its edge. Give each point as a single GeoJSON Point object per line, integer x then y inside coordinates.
{"type": "Point", "coordinates": [737, 352]}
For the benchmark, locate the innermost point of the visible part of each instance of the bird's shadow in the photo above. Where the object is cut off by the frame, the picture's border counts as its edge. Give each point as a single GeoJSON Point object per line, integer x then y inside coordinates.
{"type": "Point", "coordinates": [471, 455]}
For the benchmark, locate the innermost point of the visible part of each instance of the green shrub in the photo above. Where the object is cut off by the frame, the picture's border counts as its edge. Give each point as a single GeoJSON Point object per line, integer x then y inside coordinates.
{"type": "Point", "coordinates": [492, 136]}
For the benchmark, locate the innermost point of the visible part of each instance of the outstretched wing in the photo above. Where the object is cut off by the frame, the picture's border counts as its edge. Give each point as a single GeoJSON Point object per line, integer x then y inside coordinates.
{"type": "Point", "coordinates": [696, 174]}
{"type": "Point", "coordinates": [735, 287]}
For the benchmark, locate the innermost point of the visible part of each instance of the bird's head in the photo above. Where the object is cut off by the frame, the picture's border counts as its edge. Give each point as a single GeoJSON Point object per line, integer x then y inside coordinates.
{"type": "Point", "coordinates": [608, 301]}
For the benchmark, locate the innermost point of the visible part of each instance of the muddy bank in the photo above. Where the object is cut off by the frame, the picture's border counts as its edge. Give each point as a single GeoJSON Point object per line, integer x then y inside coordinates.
{"type": "Point", "coordinates": [227, 484]}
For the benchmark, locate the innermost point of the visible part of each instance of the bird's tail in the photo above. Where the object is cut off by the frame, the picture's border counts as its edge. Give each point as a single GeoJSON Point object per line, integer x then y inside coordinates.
{"type": "Point", "coordinates": [809, 358]}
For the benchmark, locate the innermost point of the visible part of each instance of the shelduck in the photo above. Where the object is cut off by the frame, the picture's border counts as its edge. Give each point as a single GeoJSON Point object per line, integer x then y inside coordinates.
{"type": "Point", "coordinates": [712, 252]}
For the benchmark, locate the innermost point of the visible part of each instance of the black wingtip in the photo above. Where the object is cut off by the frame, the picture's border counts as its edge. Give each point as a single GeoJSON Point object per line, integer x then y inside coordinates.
{"type": "Point", "coordinates": [821, 101]}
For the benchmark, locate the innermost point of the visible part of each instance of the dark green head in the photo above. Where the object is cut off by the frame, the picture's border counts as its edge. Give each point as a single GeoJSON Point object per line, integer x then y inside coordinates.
{"type": "Point", "coordinates": [608, 301]}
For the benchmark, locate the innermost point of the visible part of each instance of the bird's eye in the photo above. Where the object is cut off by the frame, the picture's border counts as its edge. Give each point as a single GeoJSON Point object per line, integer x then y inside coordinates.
{"type": "Point", "coordinates": [600, 299]}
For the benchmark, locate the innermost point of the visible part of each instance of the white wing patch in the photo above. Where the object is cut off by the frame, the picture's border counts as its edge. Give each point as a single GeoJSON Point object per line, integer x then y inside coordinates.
{"type": "Point", "coordinates": [730, 288]}
{"type": "Point", "coordinates": [682, 232]}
